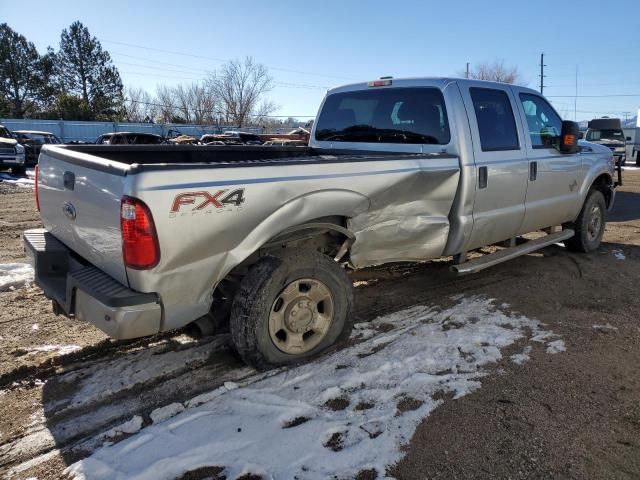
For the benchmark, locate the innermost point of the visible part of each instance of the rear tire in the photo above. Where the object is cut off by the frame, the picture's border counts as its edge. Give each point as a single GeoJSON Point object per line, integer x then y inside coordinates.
{"type": "Point", "coordinates": [19, 170]}
{"type": "Point", "coordinates": [590, 224]}
{"type": "Point", "coordinates": [637, 159]}
{"type": "Point", "coordinates": [291, 307]}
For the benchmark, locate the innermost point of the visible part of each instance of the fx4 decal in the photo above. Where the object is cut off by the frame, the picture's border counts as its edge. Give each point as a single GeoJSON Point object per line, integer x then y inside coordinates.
{"type": "Point", "coordinates": [196, 201]}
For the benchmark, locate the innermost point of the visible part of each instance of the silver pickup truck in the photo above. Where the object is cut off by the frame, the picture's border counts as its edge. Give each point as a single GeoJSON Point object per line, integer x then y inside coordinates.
{"type": "Point", "coordinates": [144, 239]}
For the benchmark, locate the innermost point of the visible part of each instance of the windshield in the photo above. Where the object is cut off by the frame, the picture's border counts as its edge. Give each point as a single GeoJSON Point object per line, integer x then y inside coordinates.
{"type": "Point", "coordinates": [388, 115]}
{"type": "Point", "coordinates": [594, 135]}
{"type": "Point", "coordinates": [4, 133]}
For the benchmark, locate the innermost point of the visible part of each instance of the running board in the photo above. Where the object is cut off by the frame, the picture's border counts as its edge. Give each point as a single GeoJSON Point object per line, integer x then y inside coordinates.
{"type": "Point", "coordinates": [486, 261]}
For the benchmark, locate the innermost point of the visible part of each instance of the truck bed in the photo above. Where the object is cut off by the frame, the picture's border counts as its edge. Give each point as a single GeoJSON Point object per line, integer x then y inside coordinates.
{"type": "Point", "coordinates": [162, 157]}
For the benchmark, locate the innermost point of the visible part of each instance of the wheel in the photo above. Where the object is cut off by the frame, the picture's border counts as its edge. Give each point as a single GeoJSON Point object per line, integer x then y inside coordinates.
{"type": "Point", "coordinates": [638, 159]}
{"type": "Point", "coordinates": [19, 170]}
{"type": "Point", "coordinates": [291, 307]}
{"type": "Point", "coordinates": [589, 226]}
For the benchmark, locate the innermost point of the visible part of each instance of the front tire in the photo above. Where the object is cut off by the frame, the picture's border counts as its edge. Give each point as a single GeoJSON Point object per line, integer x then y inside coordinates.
{"type": "Point", "coordinates": [291, 307]}
{"type": "Point", "coordinates": [590, 224]}
{"type": "Point", "coordinates": [19, 171]}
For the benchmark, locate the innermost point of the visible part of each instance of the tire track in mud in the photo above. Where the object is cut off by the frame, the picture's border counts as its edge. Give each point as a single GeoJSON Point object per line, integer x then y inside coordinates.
{"type": "Point", "coordinates": [72, 427]}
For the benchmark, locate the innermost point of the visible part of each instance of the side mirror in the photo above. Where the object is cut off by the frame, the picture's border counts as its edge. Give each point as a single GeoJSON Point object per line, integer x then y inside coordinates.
{"type": "Point", "coordinates": [580, 135]}
{"type": "Point", "coordinates": [569, 137]}
{"type": "Point", "coordinates": [628, 139]}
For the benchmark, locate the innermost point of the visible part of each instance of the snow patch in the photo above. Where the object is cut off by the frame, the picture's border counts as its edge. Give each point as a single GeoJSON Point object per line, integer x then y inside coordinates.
{"type": "Point", "coordinates": [164, 413]}
{"type": "Point", "coordinates": [278, 425]}
{"type": "Point", "coordinates": [15, 275]}
{"type": "Point", "coordinates": [28, 182]}
{"type": "Point", "coordinates": [520, 358]}
{"type": "Point", "coordinates": [58, 349]}
{"type": "Point", "coordinates": [605, 327]}
{"type": "Point", "coordinates": [619, 254]}
{"type": "Point", "coordinates": [132, 425]}
{"type": "Point", "coordinates": [556, 346]}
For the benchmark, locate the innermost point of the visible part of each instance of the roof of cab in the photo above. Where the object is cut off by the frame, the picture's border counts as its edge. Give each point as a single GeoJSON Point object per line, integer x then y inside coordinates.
{"type": "Point", "coordinates": [440, 82]}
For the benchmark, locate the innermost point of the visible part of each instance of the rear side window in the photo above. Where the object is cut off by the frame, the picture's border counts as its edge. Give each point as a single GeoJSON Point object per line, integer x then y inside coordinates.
{"type": "Point", "coordinates": [496, 123]}
{"type": "Point", "coordinates": [543, 122]}
{"type": "Point", "coordinates": [385, 115]}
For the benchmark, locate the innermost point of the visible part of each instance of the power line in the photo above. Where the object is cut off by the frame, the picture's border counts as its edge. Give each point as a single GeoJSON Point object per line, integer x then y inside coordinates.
{"type": "Point", "coordinates": [215, 59]}
{"type": "Point", "coordinates": [219, 112]}
{"type": "Point", "coordinates": [163, 69]}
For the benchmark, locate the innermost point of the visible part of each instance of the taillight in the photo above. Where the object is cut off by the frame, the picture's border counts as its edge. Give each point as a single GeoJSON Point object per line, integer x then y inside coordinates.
{"type": "Point", "coordinates": [36, 189]}
{"type": "Point", "coordinates": [140, 247]}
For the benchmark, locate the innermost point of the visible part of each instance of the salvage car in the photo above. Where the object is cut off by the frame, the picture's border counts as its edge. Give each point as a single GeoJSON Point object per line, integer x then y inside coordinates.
{"type": "Point", "coordinates": [32, 141]}
{"type": "Point", "coordinates": [12, 154]}
{"type": "Point", "coordinates": [129, 138]}
{"type": "Point", "coordinates": [144, 239]}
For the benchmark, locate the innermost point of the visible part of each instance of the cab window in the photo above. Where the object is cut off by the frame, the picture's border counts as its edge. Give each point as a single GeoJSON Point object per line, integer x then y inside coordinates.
{"type": "Point", "coordinates": [543, 122]}
{"type": "Point", "coordinates": [496, 123]}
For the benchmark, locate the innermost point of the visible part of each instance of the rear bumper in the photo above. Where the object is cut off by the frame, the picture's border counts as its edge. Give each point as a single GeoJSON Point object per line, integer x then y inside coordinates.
{"type": "Point", "coordinates": [82, 291]}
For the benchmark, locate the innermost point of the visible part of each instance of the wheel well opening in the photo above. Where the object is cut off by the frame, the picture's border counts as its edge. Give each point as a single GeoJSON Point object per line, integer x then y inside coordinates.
{"type": "Point", "coordinates": [604, 185]}
{"type": "Point", "coordinates": [327, 235]}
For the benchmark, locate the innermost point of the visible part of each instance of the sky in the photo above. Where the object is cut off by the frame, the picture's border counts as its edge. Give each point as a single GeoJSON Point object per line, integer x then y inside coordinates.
{"type": "Point", "coordinates": [309, 46]}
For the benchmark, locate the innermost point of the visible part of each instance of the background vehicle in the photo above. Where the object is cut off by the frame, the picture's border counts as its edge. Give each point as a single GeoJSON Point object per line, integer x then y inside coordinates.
{"type": "Point", "coordinates": [608, 132]}
{"type": "Point", "coordinates": [129, 138]}
{"type": "Point", "coordinates": [12, 154]}
{"type": "Point", "coordinates": [32, 141]}
{"type": "Point", "coordinates": [156, 237]}
{"type": "Point", "coordinates": [232, 138]}
{"type": "Point", "coordinates": [632, 138]}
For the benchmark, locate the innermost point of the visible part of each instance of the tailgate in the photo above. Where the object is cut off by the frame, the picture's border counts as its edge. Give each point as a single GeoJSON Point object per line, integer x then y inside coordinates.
{"type": "Point", "coordinates": [80, 205]}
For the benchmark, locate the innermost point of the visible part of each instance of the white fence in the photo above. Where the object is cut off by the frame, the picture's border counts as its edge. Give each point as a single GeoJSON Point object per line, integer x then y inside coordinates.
{"type": "Point", "coordinates": [69, 131]}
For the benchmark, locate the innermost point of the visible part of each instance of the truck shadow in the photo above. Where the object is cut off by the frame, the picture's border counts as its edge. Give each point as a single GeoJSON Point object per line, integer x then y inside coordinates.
{"type": "Point", "coordinates": [626, 207]}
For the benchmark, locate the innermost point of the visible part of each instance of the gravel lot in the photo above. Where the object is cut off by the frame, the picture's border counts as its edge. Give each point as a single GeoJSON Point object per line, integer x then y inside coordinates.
{"type": "Point", "coordinates": [571, 415]}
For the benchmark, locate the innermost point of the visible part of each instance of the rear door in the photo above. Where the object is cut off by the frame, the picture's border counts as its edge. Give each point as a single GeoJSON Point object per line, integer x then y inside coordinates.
{"type": "Point", "coordinates": [554, 178]}
{"type": "Point", "coordinates": [501, 165]}
{"type": "Point", "coordinates": [80, 205]}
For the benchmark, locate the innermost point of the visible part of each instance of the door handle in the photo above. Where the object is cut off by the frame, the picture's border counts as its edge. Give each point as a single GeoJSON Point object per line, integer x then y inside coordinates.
{"type": "Point", "coordinates": [533, 171]}
{"type": "Point", "coordinates": [482, 177]}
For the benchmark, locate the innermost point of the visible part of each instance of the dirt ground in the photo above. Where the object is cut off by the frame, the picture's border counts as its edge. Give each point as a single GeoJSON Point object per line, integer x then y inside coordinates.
{"type": "Point", "coordinates": [574, 415]}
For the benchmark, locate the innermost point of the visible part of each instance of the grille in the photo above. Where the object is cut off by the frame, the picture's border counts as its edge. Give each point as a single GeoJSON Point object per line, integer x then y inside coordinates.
{"type": "Point", "coordinates": [7, 151]}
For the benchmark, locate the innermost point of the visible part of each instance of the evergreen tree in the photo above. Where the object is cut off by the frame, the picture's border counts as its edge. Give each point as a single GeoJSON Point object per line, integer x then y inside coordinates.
{"type": "Point", "coordinates": [87, 72]}
{"type": "Point", "coordinates": [26, 77]}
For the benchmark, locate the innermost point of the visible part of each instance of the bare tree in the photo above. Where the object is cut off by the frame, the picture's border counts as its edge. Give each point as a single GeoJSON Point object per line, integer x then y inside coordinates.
{"type": "Point", "coordinates": [495, 71]}
{"type": "Point", "coordinates": [139, 106]}
{"type": "Point", "coordinates": [166, 104]}
{"type": "Point", "coordinates": [240, 86]}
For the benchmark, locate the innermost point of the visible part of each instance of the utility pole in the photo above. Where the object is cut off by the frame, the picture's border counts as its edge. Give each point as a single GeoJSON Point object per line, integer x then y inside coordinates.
{"type": "Point", "coordinates": [467, 74]}
{"type": "Point", "coordinates": [542, 75]}
{"type": "Point", "coordinates": [575, 98]}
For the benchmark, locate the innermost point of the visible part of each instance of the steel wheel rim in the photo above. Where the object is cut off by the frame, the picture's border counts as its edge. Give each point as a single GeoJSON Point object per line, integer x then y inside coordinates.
{"type": "Point", "coordinates": [595, 222]}
{"type": "Point", "coordinates": [301, 316]}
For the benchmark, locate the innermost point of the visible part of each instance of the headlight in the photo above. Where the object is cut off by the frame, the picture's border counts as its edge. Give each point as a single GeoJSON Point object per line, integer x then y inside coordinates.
{"type": "Point", "coordinates": [619, 149]}
{"type": "Point", "coordinates": [19, 149]}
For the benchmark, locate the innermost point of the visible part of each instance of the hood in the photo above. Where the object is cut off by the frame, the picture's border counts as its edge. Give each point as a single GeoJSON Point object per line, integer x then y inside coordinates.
{"type": "Point", "coordinates": [8, 141]}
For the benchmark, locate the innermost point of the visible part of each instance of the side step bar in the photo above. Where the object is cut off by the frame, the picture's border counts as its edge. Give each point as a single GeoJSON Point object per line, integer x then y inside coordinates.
{"type": "Point", "coordinates": [486, 261]}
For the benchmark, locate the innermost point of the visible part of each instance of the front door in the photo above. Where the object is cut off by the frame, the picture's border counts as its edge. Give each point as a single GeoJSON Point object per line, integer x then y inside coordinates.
{"type": "Point", "coordinates": [554, 178]}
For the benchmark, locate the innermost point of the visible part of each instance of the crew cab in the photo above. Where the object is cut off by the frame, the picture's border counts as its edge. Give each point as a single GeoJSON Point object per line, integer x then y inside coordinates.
{"type": "Point", "coordinates": [144, 239]}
